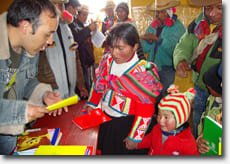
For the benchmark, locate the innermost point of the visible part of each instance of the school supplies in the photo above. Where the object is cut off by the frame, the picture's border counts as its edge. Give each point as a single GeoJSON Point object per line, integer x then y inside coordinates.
{"type": "Point", "coordinates": [55, 135]}
{"type": "Point", "coordinates": [220, 146]}
{"type": "Point", "coordinates": [26, 152]}
{"type": "Point", "coordinates": [64, 150]}
{"type": "Point", "coordinates": [69, 101]}
{"type": "Point", "coordinates": [33, 138]}
{"type": "Point", "coordinates": [98, 38]}
{"type": "Point", "coordinates": [96, 117]}
{"type": "Point", "coordinates": [213, 134]}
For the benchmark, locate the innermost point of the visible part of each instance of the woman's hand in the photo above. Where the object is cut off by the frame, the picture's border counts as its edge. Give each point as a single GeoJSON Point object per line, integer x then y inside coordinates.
{"type": "Point", "coordinates": [89, 109]}
{"type": "Point", "coordinates": [130, 145]}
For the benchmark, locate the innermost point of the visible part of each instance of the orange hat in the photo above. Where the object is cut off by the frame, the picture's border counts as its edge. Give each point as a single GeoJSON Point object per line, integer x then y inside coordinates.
{"type": "Point", "coordinates": [59, 1]}
{"type": "Point", "coordinates": [201, 3]}
{"type": "Point", "coordinates": [109, 4]}
{"type": "Point", "coordinates": [162, 4]}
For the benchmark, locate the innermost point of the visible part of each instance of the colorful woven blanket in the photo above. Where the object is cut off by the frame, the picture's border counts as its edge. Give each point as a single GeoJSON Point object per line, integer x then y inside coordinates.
{"type": "Point", "coordinates": [137, 84]}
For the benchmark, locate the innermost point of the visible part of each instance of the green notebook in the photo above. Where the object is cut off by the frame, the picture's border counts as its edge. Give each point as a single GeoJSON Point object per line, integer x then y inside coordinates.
{"type": "Point", "coordinates": [213, 134]}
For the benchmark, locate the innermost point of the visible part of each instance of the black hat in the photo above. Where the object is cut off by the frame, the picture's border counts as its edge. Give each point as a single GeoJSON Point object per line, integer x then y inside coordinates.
{"type": "Point", "coordinates": [212, 79]}
{"type": "Point", "coordinates": [73, 3]}
{"type": "Point", "coordinates": [124, 6]}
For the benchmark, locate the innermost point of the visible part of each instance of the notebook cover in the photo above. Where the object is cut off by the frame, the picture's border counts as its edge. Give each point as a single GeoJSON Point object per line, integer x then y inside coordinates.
{"type": "Point", "coordinates": [96, 117]}
{"type": "Point", "coordinates": [55, 136]}
{"type": "Point", "coordinates": [33, 138]}
{"type": "Point", "coordinates": [64, 150]}
{"type": "Point", "coordinates": [212, 132]}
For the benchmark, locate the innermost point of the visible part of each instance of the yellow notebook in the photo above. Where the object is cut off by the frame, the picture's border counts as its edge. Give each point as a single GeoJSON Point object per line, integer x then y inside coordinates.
{"type": "Point", "coordinates": [68, 101]}
{"type": "Point", "coordinates": [64, 150]}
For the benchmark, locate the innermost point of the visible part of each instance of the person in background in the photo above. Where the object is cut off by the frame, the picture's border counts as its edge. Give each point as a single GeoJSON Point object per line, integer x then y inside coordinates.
{"type": "Point", "coordinates": [72, 7]}
{"type": "Point", "coordinates": [172, 135]}
{"type": "Point", "coordinates": [214, 107]}
{"type": "Point", "coordinates": [59, 62]}
{"type": "Point", "coordinates": [122, 12]}
{"type": "Point", "coordinates": [109, 20]}
{"type": "Point", "coordinates": [160, 39]}
{"type": "Point", "coordinates": [199, 49]}
{"type": "Point", "coordinates": [26, 28]}
{"type": "Point", "coordinates": [82, 35]}
{"type": "Point", "coordinates": [125, 89]}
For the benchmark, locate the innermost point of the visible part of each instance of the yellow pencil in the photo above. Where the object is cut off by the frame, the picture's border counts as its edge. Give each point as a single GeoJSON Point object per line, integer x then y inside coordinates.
{"type": "Point", "coordinates": [220, 143]}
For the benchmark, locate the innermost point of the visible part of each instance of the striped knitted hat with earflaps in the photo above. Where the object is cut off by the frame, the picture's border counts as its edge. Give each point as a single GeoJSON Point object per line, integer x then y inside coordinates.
{"type": "Point", "coordinates": [178, 103]}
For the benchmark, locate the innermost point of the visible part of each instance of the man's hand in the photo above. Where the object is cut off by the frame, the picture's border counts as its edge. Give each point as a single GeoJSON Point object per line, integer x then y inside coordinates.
{"type": "Point", "coordinates": [93, 25]}
{"type": "Point", "coordinates": [130, 145]}
{"type": "Point", "coordinates": [35, 112]}
{"type": "Point", "coordinates": [182, 68]}
{"type": "Point", "coordinates": [51, 98]}
{"type": "Point", "coordinates": [150, 37]}
{"type": "Point", "coordinates": [83, 92]}
{"type": "Point", "coordinates": [202, 148]}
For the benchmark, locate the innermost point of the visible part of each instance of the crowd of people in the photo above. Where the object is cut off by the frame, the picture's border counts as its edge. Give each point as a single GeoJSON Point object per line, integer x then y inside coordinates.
{"type": "Point", "coordinates": [47, 56]}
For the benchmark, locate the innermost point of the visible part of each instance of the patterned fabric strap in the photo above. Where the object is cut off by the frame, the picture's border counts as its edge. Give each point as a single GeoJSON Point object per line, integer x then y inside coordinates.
{"type": "Point", "coordinates": [138, 85]}
{"type": "Point", "coordinates": [101, 83]}
{"type": "Point", "coordinates": [139, 128]}
{"type": "Point", "coordinates": [203, 29]}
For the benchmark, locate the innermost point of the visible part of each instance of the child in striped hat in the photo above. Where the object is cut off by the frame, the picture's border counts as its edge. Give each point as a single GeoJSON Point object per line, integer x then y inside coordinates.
{"type": "Point", "coordinates": [172, 134]}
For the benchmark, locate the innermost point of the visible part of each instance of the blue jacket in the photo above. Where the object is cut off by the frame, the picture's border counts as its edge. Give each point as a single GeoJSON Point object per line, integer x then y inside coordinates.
{"type": "Point", "coordinates": [166, 44]}
{"type": "Point", "coordinates": [14, 112]}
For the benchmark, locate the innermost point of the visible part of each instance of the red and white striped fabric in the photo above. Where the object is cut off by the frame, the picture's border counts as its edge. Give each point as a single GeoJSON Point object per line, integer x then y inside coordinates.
{"type": "Point", "coordinates": [178, 103]}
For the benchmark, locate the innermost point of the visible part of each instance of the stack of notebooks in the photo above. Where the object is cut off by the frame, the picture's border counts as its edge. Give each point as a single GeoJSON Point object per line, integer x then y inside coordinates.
{"type": "Point", "coordinates": [31, 139]}
{"type": "Point", "coordinates": [64, 150]}
{"type": "Point", "coordinates": [44, 141]}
